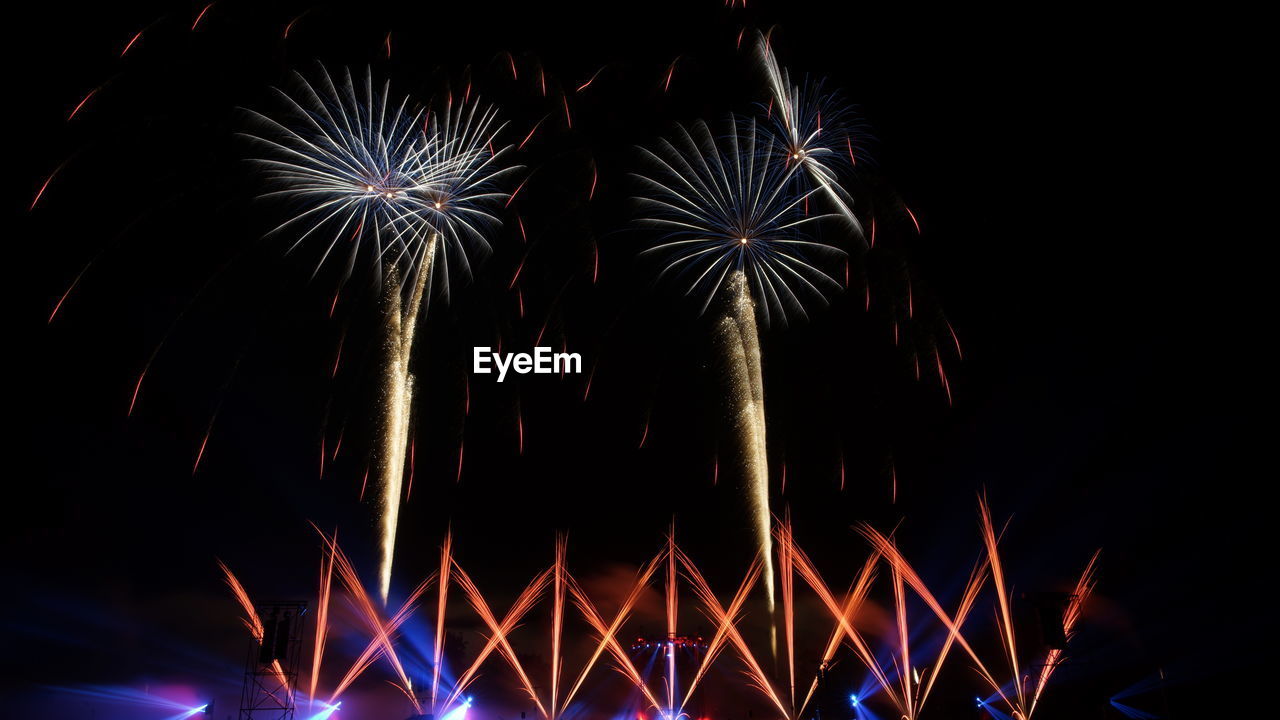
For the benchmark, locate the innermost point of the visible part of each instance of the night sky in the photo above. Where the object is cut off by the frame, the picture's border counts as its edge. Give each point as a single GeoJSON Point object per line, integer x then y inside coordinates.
{"type": "Point", "coordinates": [1098, 402]}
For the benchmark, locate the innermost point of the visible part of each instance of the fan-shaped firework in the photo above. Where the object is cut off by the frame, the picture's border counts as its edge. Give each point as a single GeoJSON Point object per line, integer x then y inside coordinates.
{"type": "Point", "coordinates": [814, 127]}
{"type": "Point", "coordinates": [358, 166]}
{"type": "Point", "coordinates": [730, 205]}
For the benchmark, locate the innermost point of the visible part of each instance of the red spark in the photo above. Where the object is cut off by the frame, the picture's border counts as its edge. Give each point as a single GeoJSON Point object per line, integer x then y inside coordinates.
{"type": "Point", "coordinates": [842, 470]}
{"type": "Point", "coordinates": [592, 79]}
{"type": "Point", "coordinates": [132, 40]}
{"type": "Point", "coordinates": [63, 299]}
{"type": "Point", "coordinates": [137, 388]}
{"type": "Point", "coordinates": [670, 71]}
{"type": "Point", "coordinates": [741, 32]}
{"type": "Point", "coordinates": [519, 268]}
{"type": "Point", "coordinates": [645, 435]}
{"type": "Point", "coordinates": [595, 262]}
{"type": "Point", "coordinates": [201, 16]}
{"type": "Point", "coordinates": [873, 231]}
{"type": "Point", "coordinates": [542, 81]}
{"type": "Point", "coordinates": [43, 187]}
{"type": "Point", "coordinates": [387, 42]}
{"type": "Point", "coordinates": [893, 475]}
{"type": "Point", "coordinates": [913, 218]}
{"type": "Point", "coordinates": [517, 192]}
{"type": "Point", "coordinates": [466, 395]}
{"type": "Point", "coordinates": [590, 377]}
{"type": "Point", "coordinates": [715, 470]}
{"type": "Point", "coordinates": [364, 483]}
{"type": "Point", "coordinates": [200, 452]}
{"type": "Point", "coordinates": [338, 447]}
{"type": "Point", "coordinates": [512, 59]}
{"type": "Point", "coordinates": [458, 478]}
{"type": "Point", "coordinates": [567, 117]}
{"type": "Point", "coordinates": [81, 104]}
{"type": "Point", "coordinates": [338, 358]}
{"type": "Point", "coordinates": [595, 178]}
{"type": "Point", "coordinates": [334, 305]}
{"type": "Point", "coordinates": [955, 339]}
{"type": "Point", "coordinates": [520, 300]}
{"type": "Point", "coordinates": [783, 489]}
{"type": "Point", "coordinates": [322, 456]}
{"type": "Point", "coordinates": [519, 431]}
{"type": "Point", "coordinates": [848, 141]}
{"type": "Point", "coordinates": [528, 137]}
{"type": "Point", "coordinates": [524, 237]}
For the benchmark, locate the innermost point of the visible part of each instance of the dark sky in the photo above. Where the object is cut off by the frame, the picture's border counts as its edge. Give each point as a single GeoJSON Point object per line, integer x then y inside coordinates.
{"type": "Point", "coordinates": [1096, 403]}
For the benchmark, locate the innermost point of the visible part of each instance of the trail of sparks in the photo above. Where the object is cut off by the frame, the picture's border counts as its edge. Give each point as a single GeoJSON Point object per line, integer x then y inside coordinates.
{"type": "Point", "coordinates": [322, 612]}
{"type": "Point", "coordinates": [739, 344]}
{"type": "Point", "coordinates": [446, 565]}
{"type": "Point", "coordinates": [398, 403]}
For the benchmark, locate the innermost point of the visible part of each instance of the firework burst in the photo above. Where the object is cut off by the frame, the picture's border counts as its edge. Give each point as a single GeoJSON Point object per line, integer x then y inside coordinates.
{"type": "Point", "coordinates": [815, 130]}
{"type": "Point", "coordinates": [414, 189]}
{"type": "Point", "coordinates": [729, 205]}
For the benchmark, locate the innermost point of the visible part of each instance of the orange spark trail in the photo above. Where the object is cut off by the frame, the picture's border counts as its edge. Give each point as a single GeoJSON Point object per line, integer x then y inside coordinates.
{"type": "Point", "coordinates": [322, 613]}
{"type": "Point", "coordinates": [890, 552]}
{"type": "Point", "coordinates": [608, 633]}
{"type": "Point", "coordinates": [446, 565]}
{"type": "Point", "coordinates": [81, 104]}
{"type": "Point", "coordinates": [854, 598]}
{"type": "Point", "coordinates": [499, 631]}
{"type": "Point", "coordinates": [380, 631]}
{"type": "Point", "coordinates": [251, 619]}
{"type": "Point", "coordinates": [727, 624]}
{"type": "Point", "coordinates": [1070, 616]}
{"type": "Point", "coordinates": [557, 622]}
{"type": "Point", "coordinates": [786, 582]}
{"type": "Point", "coordinates": [673, 604]}
{"type": "Point", "coordinates": [1004, 616]}
{"type": "Point", "coordinates": [201, 16]}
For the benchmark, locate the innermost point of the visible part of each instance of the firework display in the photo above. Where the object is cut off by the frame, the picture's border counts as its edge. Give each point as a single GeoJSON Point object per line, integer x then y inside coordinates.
{"type": "Point", "coordinates": [412, 360]}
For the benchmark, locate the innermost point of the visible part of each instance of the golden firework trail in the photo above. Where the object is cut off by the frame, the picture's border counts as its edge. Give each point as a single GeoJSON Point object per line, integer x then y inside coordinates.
{"type": "Point", "coordinates": [738, 340]}
{"type": "Point", "coordinates": [397, 395]}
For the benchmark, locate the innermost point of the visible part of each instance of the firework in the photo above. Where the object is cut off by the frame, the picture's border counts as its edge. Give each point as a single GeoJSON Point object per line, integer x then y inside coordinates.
{"type": "Point", "coordinates": [413, 189]}
{"type": "Point", "coordinates": [735, 229]}
{"type": "Point", "coordinates": [814, 129]}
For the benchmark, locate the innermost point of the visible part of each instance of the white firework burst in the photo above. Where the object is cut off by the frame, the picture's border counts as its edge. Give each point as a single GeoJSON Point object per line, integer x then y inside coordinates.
{"type": "Point", "coordinates": [731, 204]}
